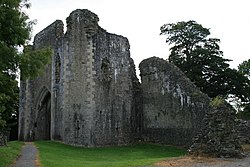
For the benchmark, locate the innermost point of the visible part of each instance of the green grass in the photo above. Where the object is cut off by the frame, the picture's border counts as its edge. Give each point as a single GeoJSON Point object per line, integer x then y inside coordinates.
{"type": "Point", "coordinates": [9, 153]}
{"type": "Point", "coordinates": [53, 154]}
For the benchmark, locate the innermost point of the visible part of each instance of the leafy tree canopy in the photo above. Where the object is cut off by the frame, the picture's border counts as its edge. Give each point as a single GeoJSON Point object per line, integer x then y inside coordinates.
{"type": "Point", "coordinates": [15, 29]}
{"type": "Point", "coordinates": [201, 59]}
{"type": "Point", "coordinates": [244, 68]}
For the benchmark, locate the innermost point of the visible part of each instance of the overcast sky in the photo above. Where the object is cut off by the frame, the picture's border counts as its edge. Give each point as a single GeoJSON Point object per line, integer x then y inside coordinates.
{"type": "Point", "coordinates": [140, 22]}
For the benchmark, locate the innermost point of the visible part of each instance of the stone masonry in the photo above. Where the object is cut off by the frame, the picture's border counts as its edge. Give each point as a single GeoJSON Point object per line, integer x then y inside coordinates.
{"type": "Point", "coordinates": [36, 101]}
{"type": "Point", "coordinates": [173, 108]}
{"type": "Point", "coordinates": [218, 136]}
{"type": "Point", "coordinates": [86, 96]}
{"type": "Point", "coordinates": [243, 131]}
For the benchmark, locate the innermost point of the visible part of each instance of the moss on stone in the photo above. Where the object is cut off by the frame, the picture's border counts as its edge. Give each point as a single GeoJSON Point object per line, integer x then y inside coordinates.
{"type": "Point", "coordinates": [217, 101]}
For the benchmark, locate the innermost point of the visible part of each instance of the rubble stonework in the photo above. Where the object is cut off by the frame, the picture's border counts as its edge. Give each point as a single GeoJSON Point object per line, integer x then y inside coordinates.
{"type": "Point", "coordinates": [243, 131]}
{"type": "Point", "coordinates": [218, 136]}
{"type": "Point", "coordinates": [3, 139]}
{"type": "Point", "coordinates": [173, 108]}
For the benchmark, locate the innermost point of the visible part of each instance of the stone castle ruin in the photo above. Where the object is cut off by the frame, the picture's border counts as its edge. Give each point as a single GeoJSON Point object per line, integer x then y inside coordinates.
{"type": "Point", "coordinates": [90, 95]}
{"type": "Point", "coordinates": [87, 95]}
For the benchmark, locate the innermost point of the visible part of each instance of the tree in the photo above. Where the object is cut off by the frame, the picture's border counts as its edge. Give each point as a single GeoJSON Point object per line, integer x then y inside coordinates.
{"type": "Point", "coordinates": [14, 32]}
{"type": "Point", "coordinates": [244, 69]}
{"type": "Point", "coordinates": [201, 59]}
{"type": "Point", "coordinates": [15, 29]}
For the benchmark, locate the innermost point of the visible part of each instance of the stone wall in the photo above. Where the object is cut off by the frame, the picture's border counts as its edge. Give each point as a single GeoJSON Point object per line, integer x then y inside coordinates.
{"type": "Point", "coordinates": [33, 92]}
{"type": "Point", "coordinates": [114, 96]}
{"type": "Point", "coordinates": [243, 131]}
{"type": "Point", "coordinates": [173, 108]}
{"type": "Point", "coordinates": [98, 82]}
{"type": "Point", "coordinates": [3, 139]}
{"type": "Point", "coordinates": [218, 135]}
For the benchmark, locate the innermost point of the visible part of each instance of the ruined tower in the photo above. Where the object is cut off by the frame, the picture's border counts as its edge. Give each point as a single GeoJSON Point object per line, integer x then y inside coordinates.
{"type": "Point", "coordinates": [86, 96]}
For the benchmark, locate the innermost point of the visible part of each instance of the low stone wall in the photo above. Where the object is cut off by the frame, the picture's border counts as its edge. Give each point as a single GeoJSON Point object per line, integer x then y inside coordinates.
{"type": "Point", "coordinates": [218, 137]}
{"type": "Point", "coordinates": [243, 130]}
{"type": "Point", "coordinates": [3, 139]}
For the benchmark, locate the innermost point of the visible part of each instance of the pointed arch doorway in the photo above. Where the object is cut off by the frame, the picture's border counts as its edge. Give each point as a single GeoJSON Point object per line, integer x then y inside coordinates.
{"type": "Point", "coordinates": [42, 124]}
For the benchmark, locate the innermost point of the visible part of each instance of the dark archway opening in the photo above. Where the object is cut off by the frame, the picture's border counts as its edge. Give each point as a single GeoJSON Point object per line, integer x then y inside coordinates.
{"type": "Point", "coordinates": [43, 119]}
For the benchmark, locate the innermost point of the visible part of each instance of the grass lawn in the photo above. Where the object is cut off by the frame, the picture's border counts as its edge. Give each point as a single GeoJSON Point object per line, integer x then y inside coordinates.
{"type": "Point", "coordinates": [9, 153]}
{"type": "Point", "coordinates": [53, 154]}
